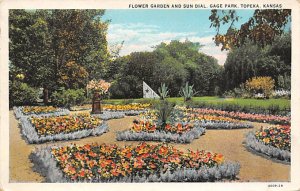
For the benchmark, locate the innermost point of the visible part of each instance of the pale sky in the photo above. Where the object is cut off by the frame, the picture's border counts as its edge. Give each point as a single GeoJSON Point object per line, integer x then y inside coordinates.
{"type": "Point", "coordinates": [142, 29]}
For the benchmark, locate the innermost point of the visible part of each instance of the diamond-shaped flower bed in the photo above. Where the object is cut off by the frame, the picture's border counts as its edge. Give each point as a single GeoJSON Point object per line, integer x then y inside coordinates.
{"type": "Point", "coordinates": [141, 163]}
{"type": "Point", "coordinates": [149, 131]}
{"type": "Point", "coordinates": [274, 142]}
{"type": "Point", "coordinates": [43, 129]}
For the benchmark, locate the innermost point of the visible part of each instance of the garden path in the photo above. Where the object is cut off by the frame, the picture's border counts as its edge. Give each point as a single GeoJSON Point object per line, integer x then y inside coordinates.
{"type": "Point", "coordinates": [254, 168]}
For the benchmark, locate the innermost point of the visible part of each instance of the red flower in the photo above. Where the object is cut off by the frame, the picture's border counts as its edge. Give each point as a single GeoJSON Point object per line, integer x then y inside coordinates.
{"type": "Point", "coordinates": [128, 155]}
{"type": "Point", "coordinates": [82, 173]}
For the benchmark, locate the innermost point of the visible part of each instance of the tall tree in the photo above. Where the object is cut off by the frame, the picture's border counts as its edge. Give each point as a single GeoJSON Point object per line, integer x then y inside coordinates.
{"type": "Point", "coordinates": [43, 42]}
{"type": "Point", "coordinates": [251, 60]}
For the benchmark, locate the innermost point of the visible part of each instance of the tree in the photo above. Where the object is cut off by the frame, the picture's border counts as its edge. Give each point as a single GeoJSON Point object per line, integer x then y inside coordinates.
{"type": "Point", "coordinates": [251, 60]}
{"type": "Point", "coordinates": [262, 28]}
{"type": "Point", "coordinates": [72, 75]}
{"type": "Point", "coordinates": [42, 42]}
{"type": "Point", "coordinates": [173, 64]}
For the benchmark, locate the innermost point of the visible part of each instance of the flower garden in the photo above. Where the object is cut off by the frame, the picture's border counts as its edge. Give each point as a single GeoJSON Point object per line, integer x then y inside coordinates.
{"type": "Point", "coordinates": [162, 124]}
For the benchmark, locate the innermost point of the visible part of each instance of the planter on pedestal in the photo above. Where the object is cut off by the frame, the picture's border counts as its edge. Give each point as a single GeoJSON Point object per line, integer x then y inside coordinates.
{"type": "Point", "coordinates": [96, 107]}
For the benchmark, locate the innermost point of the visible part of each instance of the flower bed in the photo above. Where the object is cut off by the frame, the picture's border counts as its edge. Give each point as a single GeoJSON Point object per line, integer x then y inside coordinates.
{"type": "Point", "coordinates": [274, 142]}
{"type": "Point", "coordinates": [245, 116]}
{"type": "Point", "coordinates": [128, 110]}
{"type": "Point", "coordinates": [28, 111]}
{"type": "Point", "coordinates": [127, 107]}
{"type": "Point", "coordinates": [213, 121]}
{"type": "Point", "coordinates": [141, 163]}
{"type": "Point", "coordinates": [43, 129]}
{"type": "Point", "coordinates": [149, 131]}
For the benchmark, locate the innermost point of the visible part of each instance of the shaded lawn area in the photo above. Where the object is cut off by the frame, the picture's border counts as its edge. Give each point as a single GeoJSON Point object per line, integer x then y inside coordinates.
{"type": "Point", "coordinates": [214, 100]}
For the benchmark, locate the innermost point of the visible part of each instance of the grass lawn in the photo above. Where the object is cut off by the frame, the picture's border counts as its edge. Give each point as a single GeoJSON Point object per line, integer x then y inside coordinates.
{"type": "Point", "coordinates": [214, 100]}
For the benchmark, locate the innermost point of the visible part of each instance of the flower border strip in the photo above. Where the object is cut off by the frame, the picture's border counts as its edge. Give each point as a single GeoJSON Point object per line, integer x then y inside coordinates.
{"type": "Point", "coordinates": [28, 131]}
{"type": "Point", "coordinates": [254, 144]}
{"type": "Point", "coordinates": [46, 165]}
{"type": "Point", "coordinates": [225, 125]}
{"type": "Point", "coordinates": [106, 115]}
{"type": "Point", "coordinates": [19, 113]}
{"type": "Point", "coordinates": [187, 137]}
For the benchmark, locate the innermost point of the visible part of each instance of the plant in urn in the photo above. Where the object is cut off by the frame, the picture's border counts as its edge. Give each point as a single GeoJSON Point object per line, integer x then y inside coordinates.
{"type": "Point", "coordinates": [98, 88]}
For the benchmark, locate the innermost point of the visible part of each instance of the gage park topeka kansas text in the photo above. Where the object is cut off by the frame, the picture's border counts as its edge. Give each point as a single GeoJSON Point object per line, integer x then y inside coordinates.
{"type": "Point", "coordinates": [221, 110]}
{"type": "Point", "coordinates": [205, 6]}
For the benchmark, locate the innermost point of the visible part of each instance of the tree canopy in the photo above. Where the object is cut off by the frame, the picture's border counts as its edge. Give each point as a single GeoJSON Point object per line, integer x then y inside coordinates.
{"type": "Point", "coordinates": [262, 28]}
{"type": "Point", "coordinates": [48, 45]}
{"type": "Point", "coordinates": [252, 60]}
{"type": "Point", "coordinates": [174, 64]}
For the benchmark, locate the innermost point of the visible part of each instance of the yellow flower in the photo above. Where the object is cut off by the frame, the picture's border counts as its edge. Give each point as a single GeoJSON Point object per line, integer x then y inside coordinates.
{"type": "Point", "coordinates": [266, 140]}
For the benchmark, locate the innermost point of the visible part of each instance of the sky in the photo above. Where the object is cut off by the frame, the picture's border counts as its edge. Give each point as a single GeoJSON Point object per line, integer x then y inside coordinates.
{"type": "Point", "coordinates": [141, 30]}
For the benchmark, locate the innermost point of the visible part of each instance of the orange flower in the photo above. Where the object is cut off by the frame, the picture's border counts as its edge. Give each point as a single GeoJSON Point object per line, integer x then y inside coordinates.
{"type": "Point", "coordinates": [92, 154]}
{"type": "Point", "coordinates": [138, 164]}
{"type": "Point", "coordinates": [128, 155]}
{"type": "Point", "coordinates": [152, 165]}
{"type": "Point", "coordinates": [168, 127]}
{"type": "Point", "coordinates": [163, 150]}
{"type": "Point", "coordinates": [91, 163]}
{"type": "Point", "coordinates": [219, 158]}
{"type": "Point", "coordinates": [70, 169]}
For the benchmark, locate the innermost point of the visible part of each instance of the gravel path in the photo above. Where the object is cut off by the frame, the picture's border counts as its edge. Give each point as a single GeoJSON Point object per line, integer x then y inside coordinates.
{"type": "Point", "coordinates": [254, 168]}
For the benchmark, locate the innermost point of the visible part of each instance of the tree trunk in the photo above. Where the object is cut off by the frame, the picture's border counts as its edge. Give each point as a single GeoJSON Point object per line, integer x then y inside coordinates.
{"type": "Point", "coordinates": [46, 95]}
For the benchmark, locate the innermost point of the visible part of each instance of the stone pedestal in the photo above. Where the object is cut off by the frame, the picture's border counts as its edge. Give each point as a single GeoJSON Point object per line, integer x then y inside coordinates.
{"type": "Point", "coordinates": [96, 107]}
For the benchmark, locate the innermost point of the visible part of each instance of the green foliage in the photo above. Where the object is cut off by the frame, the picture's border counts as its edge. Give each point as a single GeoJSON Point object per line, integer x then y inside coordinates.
{"type": "Point", "coordinates": [172, 64]}
{"type": "Point", "coordinates": [163, 91]}
{"type": "Point", "coordinates": [250, 60]}
{"type": "Point", "coordinates": [21, 93]}
{"type": "Point", "coordinates": [240, 104]}
{"type": "Point", "coordinates": [68, 98]}
{"type": "Point", "coordinates": [187, 92]}
{"type": "Point", "coordinates": [284, 82]}
{"type": "Point", "coordinates": [262, 28]}
{"type": "Point", "coordinates": [43, 43]}
{"type": "Point", "coordinates": [164, 109]}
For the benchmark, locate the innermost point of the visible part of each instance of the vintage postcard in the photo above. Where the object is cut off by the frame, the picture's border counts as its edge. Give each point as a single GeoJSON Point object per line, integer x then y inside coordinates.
{"type": "Point", "coordinates": [150, 95]}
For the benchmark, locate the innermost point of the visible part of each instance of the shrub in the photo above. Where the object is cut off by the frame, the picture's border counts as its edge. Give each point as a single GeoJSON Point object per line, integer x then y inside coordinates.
{"type": "Point", "coordinates": [263, 84]}
{"type": "Point", "coordinates": [228, 94]}
{"type": "Point", "coordinates": [187, 92]}
{"type": "Point", "coordinates": [164, 111]}
{"type": "Point", "coordinates": [68, 98]}
{"type": "Point", "coordinates": [163, 91]}
{"type": "Point", "coordinates": [22, 94]}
